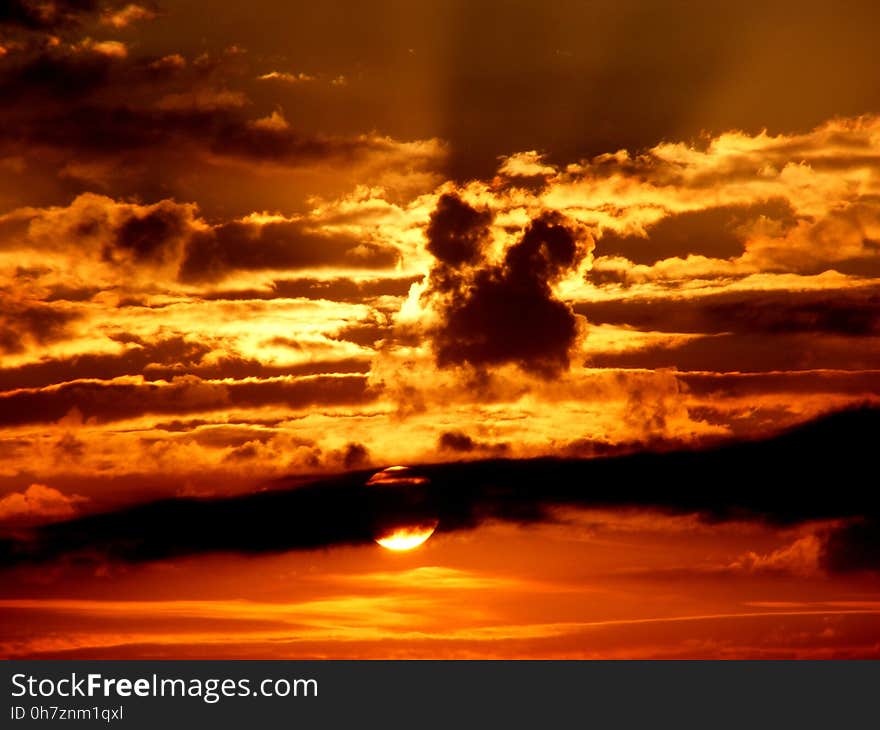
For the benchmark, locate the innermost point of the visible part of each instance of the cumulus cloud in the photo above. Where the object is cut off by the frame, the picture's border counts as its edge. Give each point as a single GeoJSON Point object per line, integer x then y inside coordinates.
{"type": "Point", "coordinates": [492, 313]}
{"type": "Point", "coordinates": [38, 503]}
{"type": "Point", "coordinates": [97, 237]}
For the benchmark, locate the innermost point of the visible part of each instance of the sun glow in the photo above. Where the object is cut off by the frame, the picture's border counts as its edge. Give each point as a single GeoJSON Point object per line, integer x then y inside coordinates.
{"type": "Point", "coordinates": [402, 537]}
{"type": "Point", "coordinates": [406, 538]}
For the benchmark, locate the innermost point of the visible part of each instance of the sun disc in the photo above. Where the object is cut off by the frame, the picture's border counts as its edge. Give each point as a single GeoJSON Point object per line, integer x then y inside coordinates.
{"type": "Point", "coordinates": [406, 538]}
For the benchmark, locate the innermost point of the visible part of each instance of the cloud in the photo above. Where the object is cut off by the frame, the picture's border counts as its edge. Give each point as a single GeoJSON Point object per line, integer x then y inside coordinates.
{"type": "Point", "coordinates": [854, 547]}
{"type": "Point", "coordinates": [90, 115]}
{"type": "Point", "coordinates": [458, 442]}
{"type": "Point", "coordinates": [850, 312]}
{"type": "Point", "coordinates": [55, 14]}
{"type": "Point", "coordinates": [110, 49]}
{"type": "Point", "coordinates": [336, 289]}
{"type": "Point", "coordinates": [286, 77]}
{"type": "Point", "coordinates": [783, 480]}
{"type": "Point", "coordinates": [162, 358]}
{"type": "Point", "coordinates": [24, 324]}
{"type": "Point", "coordinates": [801, 557]}
{"type": "Point", "coordinates": [130, 398]}
{"type": "Point", "coordinates": [751, 353]}
{"type": "Point", "coordinates": [506, 312]}
{"type": "Point", "coordinates": [98, 232]}
{"type": "Point", "coordinates": [38, 503]}
{"type": "Point", "coordinates": [127, 15]}
{"type": "Point", "coordinates": [719, 231]}
{"type": "Point", "coordinates": [456, 233]}
{"type": "Point", "coordinates": [282, 245]}
{"type": "Point", "coordinates": [731, 231]}
{"type": "Point", "coordinates": [97, 238]}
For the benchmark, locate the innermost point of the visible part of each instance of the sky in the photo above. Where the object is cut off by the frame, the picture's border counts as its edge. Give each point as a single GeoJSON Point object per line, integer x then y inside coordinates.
{"type": "Point", "coordinates": [260, 247]}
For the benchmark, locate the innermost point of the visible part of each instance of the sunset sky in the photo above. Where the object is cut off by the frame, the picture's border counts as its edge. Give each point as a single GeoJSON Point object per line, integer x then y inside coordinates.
{"type": "Point", "coordinates": [249, 248]}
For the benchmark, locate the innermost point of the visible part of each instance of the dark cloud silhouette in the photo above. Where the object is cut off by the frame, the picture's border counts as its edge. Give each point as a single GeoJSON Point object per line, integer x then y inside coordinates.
{"type": "Point", "coordinates": [355, 456]}
{"type": "Point", "coordinates": [31, 323]}
{"type": "Point", "coordinates": [41, 15]}
{"type": "Point", "coordinates": [366, 334]}
{"type": "Point", "coordinates": [283, 245]}
{"type": "Point", "coordinates": [716, 232]}
{"type": "Point", "coordinates": [506, 313]}
{"type": "Point", "coordinates": [337, 290]}
{"type": "Point", "coordinates": [853, 312]}
{"type": "Point", "coordinates": [786, 480]}
{"type": "Point", "coordinates": [184, 394]}
{"type": "Point", "coordinates": [456, 232]}
{"type": "Point", "coordinates": [456, 441]}
{"type": "Point", "coordinates": [752, 353]}
{"type": "Point", "coordinates": [176, 353]}
{"type": "Point", "coordinates": [853, 547]}
{"type": "Point", "coordinates": [163, 359]}
{"type": "Point", "coordinates": [151, 237]}
{"type": "Point", "coordinates": [283, 145]}
{"type": "Point", "coordinates": [460, 442]}
{"type": "Point", "coordinates": [93, 115]}
{"type": "Point", "coordinates": [788, 384]}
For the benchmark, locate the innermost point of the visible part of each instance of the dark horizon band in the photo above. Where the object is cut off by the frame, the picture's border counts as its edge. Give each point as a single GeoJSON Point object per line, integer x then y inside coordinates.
{"type": "Point", "coordinates": [776, 480]}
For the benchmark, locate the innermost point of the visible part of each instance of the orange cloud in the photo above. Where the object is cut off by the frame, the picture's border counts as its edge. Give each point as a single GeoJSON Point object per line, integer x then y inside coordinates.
{"type": "Point", "coordinates": [38, 503]}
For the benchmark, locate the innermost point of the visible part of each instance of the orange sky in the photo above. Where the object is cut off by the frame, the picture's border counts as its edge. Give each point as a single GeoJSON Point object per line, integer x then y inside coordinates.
{"type": "Point", "coordinates": [296, 242]}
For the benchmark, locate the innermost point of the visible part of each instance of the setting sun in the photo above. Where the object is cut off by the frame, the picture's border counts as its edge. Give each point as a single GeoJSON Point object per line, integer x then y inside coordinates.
{"type": "Point", "coordinates": [406, 538]}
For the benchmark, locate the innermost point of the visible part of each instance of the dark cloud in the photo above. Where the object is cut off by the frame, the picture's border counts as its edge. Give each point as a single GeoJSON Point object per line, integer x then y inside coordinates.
{"type": "Point", "coordinates": [96, 114]}
{"type": "Point", "coordinates": [788, 384]}
{"type": "Point", "coordinates": [161, 359]}
{"type": "Point", "coordinates": [173, 351]}
{"type": "Point", "coordinates": [283, 145]}
{"type": "Point", "coordinates": [49, 79]}
{"type": "Point", "coordinates": [853, 547]}
{"type": "Point", "coordinates": [751, 353]}
{"type": "Point", "coordinates": [460, 442]}
{"type": "Point", "coordinates": [787, 480]}
{"type": "Point", "coordinates": [69, 447]}
{"type": "Point", "coordinates": [284, 245]}
{"type": "Point", "coordinates": [151, 237]}
{"type": "Point", "coordinates": [185, 394]}
{"type": "Point", "coordinates": [336, 290]}
{"type": "Point", "coordinates": [456, 231]}
{"type": "Point", "coordinates": [355, 456]}
{"type": "Point", "coordinates": [43, 15]}
{"type": "Point", "coordinates": [506, 313]}
{"type": "Point", "coordinates": [852, 312]}
{"type": "Point", "coordinates": [23, 324]}
{"type": "Point", "coordinates": [718, 232]}
{"type": "Point", "coordinates": [242, 367]}
{"type": "Point", "coordinates": [365, 335]}
{"type": "Point", "coordinates": [456, 441]}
